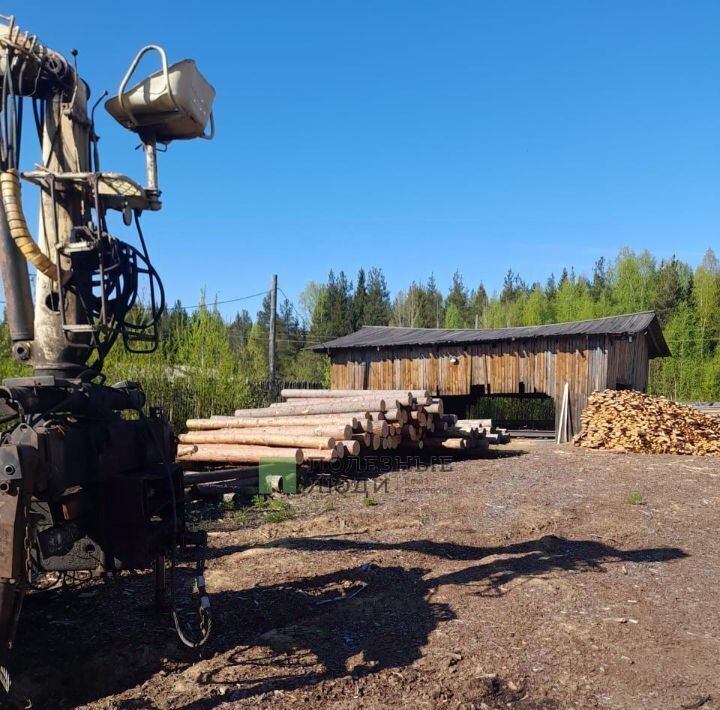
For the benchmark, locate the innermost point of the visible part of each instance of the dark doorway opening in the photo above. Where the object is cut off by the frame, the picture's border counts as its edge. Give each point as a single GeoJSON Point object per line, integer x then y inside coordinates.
{"type": "Point", "coordinates": [534, 412]}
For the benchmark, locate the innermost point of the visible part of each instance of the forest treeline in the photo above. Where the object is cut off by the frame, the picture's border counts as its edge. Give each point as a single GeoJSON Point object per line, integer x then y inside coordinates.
{"type": "Point", "coordinates": [686, 300]}
{"type": "Point", "coordinates": [206, 364]}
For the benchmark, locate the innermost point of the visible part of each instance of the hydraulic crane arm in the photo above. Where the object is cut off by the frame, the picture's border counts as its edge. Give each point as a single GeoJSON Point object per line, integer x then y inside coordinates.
{"type": "Point", "coordinates": [83, 485]}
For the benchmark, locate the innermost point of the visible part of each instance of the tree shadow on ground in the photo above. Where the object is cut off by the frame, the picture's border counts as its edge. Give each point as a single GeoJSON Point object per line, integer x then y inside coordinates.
{"type": "Point", "coordinates": [503, 563]}
{"type": "Point", "coordinates": [391, 618]}
{"type": "Point", "coordinates": [342, 625]}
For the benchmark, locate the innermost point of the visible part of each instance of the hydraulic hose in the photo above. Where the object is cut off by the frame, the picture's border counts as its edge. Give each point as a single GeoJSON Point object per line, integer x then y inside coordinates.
{"type": "Point", "coordinates": [10, 189]}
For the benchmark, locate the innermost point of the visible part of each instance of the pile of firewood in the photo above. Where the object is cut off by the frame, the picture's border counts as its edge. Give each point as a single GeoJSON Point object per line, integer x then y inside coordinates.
{"type": "Point", "coordinates": [638, 423]}
{"type": "Point", "coordinates": [324, 425]}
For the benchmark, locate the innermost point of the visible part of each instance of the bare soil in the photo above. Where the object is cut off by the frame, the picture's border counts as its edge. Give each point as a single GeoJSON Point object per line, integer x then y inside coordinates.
{"type": "Point", "coordinates": [545, 577]}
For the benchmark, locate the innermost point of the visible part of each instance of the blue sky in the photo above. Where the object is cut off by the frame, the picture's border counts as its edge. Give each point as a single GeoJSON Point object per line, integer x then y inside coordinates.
{"type": "Point", "coordinates": [419, 136]}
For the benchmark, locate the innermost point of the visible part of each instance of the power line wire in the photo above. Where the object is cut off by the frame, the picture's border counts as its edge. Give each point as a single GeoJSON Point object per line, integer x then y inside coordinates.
{"type": "Point", "coordinates": [216, 303]}
{"type": "Point", "coordinates": [292, 305]}
{"type": "Point", "coordinates": [245, 338]}
{"type": "Point", "coordinates": [220, 303]}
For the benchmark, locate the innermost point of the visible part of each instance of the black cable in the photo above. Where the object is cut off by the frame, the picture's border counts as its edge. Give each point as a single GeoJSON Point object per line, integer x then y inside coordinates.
{"type": "Point", "coordinates": [55, 138]}
{"type": "Point", "coordinates": [123, 264]}
{"type": "Point", "coordinates": [11, 115]}
{"type": "Point", "coordinates": [37, 105]}
{"type": "Point", "coordinates": [129, 328]}
{"type": "Point", "coordinates": [4, 132]}
{"type": "Point", "coordinates": [94, 152]}
{"type": "Point", "coordinates": [19, 113]}
{"type": "Point", "coordinates": [18, 129]}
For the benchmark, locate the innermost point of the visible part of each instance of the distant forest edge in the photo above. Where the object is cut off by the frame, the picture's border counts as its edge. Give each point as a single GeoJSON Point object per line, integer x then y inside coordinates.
{"type": "Point", "coordinates": [207, 365]}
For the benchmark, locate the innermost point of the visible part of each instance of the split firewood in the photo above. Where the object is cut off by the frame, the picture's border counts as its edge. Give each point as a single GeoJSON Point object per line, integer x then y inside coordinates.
{"type": "Point", "coordinates": [638, 423]}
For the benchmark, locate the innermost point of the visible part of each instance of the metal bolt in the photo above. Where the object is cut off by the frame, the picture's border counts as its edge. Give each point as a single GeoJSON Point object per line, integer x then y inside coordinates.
{"type": "Point", "coordinates": [22, 351]}
{"type": "Point", "coordinates": [9, 469]}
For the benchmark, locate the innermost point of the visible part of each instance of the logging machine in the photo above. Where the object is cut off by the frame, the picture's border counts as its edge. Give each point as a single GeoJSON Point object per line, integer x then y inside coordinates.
{"type": "Point", "coordinates": [87, 473]}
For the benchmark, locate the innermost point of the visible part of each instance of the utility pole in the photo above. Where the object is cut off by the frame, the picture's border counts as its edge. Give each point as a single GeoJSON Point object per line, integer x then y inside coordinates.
{"type": "Point", "coordinates": [273, 316]}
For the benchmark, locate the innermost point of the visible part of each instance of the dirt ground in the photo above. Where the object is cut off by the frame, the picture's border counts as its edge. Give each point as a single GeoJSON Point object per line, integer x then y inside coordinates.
{"type": "Point", "coordinates": [546, 577]}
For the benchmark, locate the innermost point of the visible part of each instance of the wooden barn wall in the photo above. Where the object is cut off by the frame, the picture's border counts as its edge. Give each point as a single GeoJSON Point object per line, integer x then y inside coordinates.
{"type": "Point", "coordinates": [340, 370]}
{"type": "Point", "coordinates": [541, 365]}
{"type": "Point", "coordinates": [628, 363]}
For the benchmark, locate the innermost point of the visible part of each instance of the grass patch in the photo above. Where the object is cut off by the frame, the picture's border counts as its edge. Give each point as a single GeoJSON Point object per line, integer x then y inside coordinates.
{"type": "Point", "coordinates": [369, 500]}
{"type": "Point", "coordinates": [237, 516]}
{"type": "Point", "coordinates": [204, 518]}
{"type": "Point", "coordinates": [635, 498]}
{"type": "Point", "coordinates": [196, 522]}
{"type": "Point", "coordinates": [211, 516]}
{"type": "Point", "coordinates": [275, 510]}
{"type": "Point", "coordinates": [278, 510]}
{"type": "Point", "coordinates": [329, 505]}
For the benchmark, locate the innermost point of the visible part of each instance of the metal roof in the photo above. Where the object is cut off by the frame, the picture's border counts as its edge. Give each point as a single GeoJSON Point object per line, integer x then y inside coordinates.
{"type": "Point", "coordinates": [381, 336]}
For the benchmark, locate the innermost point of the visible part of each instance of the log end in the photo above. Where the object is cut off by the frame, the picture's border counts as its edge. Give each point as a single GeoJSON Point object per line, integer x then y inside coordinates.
{"type": "Point", "coordinates": [352, 448]}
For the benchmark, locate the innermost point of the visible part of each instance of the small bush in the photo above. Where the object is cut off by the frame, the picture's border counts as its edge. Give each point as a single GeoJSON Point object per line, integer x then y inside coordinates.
{"type": "Point", "coordinates": [635, 498]}
{"type": "Point", "coordinates": [369, 500]}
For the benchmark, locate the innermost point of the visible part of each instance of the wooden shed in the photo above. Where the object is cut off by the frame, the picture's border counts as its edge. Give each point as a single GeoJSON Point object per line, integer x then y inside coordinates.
{"type": "Point", "coordinates": [603, 353]}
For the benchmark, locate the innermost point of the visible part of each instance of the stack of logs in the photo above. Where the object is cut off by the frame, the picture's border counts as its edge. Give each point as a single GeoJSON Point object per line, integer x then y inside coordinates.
{"type": "Point", "coordinates": [324, 425]}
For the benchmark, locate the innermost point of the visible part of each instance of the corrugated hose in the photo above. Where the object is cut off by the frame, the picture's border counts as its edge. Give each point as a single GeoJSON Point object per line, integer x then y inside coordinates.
{"type": "Point", "coordinates": [10, 189]}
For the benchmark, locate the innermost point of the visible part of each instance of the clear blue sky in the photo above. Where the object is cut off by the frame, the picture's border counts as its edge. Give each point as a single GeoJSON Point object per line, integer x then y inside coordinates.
{"type": "Point", "coordinates": [418, 136]}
